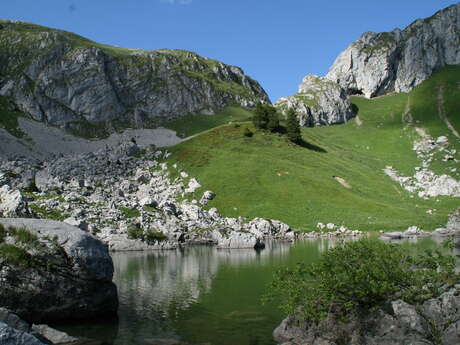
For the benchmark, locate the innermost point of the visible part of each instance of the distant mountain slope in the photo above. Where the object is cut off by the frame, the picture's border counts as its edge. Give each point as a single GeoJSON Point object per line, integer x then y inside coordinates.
{"type": "Point", "coordinates": [63, 79]}
{"type": "Point", "coordinates": [338, 176]}
{"type": "Point", "coordinates": [379, 63]}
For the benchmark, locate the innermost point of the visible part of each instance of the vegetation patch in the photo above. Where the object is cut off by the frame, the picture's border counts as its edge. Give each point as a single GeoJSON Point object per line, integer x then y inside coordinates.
{"type": "Point", "coordinates": [152, 236]}
{"type": "Point", "coordinates": [9, 118]}
{"type": "Point", "coordinates": [359, 276]}
{"type": "Point", "coordinates": [130, 212]}
{"type": "Point", "coordinates": [44, 213]}
{"type": "Point", "coordinates": [14, 255]}
{"type": "Point", "coordinates": [196, 123]}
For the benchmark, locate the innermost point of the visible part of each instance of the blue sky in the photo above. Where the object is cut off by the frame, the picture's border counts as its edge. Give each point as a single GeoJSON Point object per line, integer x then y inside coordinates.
{"type": "Point", "coordinates": [277, 42]}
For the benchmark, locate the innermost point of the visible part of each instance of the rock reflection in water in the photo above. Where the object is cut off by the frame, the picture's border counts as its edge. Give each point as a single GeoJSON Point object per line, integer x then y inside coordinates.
{"type": "Point", "coordinates": [155, 287]}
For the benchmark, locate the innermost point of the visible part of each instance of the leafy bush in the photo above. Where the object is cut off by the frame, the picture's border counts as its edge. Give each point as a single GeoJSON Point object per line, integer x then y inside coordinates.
{"type": "Point", "coordinates": [359, 276]}
{"type": "Point", "coordinates": [154, 236]}
{"type": "Point", "coordinates": [247, 132]}
{"type": "Point", "coordinates": [135, 232]}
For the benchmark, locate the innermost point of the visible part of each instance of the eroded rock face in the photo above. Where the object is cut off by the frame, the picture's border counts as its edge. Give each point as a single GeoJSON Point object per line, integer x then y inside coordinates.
{"type": "Point", "coordinates": [61, 79]}
{"type": "Point", "coordinates": [60, 273]}
{"type": "Point", "coordinates": [318, 102]}
{"type": "Point", "coordinates": [378, 63]}
{"type": "Point", "coordinates": [434, 322]}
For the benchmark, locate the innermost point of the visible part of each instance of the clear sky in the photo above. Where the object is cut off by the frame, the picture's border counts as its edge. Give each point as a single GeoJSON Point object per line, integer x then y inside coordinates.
{"type": "Point", "coordinates": [277, 42]}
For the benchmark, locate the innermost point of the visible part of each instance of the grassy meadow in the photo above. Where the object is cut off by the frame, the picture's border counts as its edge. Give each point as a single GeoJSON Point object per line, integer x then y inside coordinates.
{"type": "Point", "coordinates": [267, 176]}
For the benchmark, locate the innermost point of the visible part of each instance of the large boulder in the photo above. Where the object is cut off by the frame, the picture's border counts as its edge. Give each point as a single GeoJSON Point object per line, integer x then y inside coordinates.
{"type": "Point", "coordinates": [13, 203]}
{"type": "Point", "coordinates": [56, 272]}
{"type": "Point", "coordinates": [378, 63]}
{"type": "Point", "coordinates": [318, 102]}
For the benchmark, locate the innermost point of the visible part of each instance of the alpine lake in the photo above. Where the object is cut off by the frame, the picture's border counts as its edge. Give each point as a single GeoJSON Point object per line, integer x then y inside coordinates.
{"type": "Point", "coordinates": [201, 295]}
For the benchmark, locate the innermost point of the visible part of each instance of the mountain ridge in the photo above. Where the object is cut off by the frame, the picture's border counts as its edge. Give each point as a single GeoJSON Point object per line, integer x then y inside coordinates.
{"type": "Point", "coordinates": [64, 79]}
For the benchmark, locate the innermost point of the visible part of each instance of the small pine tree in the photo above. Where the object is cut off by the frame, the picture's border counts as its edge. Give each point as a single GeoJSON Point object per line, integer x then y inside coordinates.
{"type": "Point", "coordinates": [293, 127]}
{"type": "Point", "coordinates": [260, 118]}
{"type": "Point", "coordinates": [273, 119]}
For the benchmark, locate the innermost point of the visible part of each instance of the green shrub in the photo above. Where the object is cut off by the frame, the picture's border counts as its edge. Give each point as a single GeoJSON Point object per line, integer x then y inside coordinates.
{"type": "Point", "coordinates": [14, 255]}
{"type": "Point", "coordinates": [247, 132]}
{"type": "Point", "coordinates": [130, 212]}
{"type": "Point", "coordinates": [22, 235]}
{"type": "Point", "coordinates": [154, 236]}
{"type": "Point", "coordinates": [135, 232]}
{"type": "Point", "coordinates": [358, 276]}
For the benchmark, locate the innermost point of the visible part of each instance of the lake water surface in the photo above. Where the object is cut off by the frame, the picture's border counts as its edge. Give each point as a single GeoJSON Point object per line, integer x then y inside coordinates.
{"type": "Point", "coordinates": [199, 295]}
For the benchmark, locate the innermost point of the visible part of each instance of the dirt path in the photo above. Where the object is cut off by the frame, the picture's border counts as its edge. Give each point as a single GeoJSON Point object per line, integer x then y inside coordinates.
{"type": "Point", "coordinates": [407, 115]}
{"type": "Point", "coordinates": [442, 111]}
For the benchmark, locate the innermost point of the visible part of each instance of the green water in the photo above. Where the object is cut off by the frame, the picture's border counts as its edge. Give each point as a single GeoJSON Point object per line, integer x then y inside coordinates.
{"type": "Point", "coordinates": [199, 295]}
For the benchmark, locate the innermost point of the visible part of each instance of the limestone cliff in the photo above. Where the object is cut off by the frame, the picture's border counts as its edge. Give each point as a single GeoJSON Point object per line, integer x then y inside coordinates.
{"type": "Point", "coordinates": [63, 79]}
{"type": "Point", "coordinates": [318, 102]}
{"type": "Point", "coordinates": [397, 61]}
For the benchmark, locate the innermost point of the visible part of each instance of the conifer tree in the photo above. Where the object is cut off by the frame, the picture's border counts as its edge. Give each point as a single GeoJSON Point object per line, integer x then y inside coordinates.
{"type": "Point", "coordinates": [293, 127]}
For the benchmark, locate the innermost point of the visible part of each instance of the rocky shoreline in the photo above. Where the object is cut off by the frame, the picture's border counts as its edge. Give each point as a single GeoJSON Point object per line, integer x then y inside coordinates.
{"type": "Point", "coordinates": [436, 321]}
{"type": "Point", "coordinates": [51, 271]}
{"type": "Point", "coordinates": [130, 198]}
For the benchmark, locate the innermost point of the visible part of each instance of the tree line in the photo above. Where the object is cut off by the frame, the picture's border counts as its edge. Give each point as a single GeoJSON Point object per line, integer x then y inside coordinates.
{"type": "Point", "coordinates": [266, 117]}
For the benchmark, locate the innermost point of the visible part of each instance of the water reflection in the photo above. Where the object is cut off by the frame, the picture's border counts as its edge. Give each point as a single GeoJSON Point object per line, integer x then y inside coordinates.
{"type": "Point", "coordinates": [156, 287]}
{"type": "Point", "coordinates": [201, 295]}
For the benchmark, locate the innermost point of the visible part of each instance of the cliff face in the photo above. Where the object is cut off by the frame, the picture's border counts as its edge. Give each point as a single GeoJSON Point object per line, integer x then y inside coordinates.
{"type": "Point", "coordinates": [61, 78]}
{"type": "Point", "coordinates": [378, 63]}
{"type": "Point", "coordinates": [318, 102]}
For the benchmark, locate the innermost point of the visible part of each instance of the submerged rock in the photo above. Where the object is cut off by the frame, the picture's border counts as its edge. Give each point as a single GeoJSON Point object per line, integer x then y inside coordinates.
{"type": "Point", "coordinates": [58, 272]}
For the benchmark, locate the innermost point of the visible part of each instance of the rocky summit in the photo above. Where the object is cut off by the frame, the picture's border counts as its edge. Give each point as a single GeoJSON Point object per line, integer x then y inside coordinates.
{"type": "Point", "coordinates": [396, 61]}
{"type": "Point", "coordinates": [318, 102]}
{"type": "Point", "coordinates": [63, 79]}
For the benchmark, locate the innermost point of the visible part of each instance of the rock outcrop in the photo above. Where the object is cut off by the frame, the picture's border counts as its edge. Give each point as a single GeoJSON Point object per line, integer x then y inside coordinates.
{"type": "Point", "coordinates": [436, 321]}
{"type": "Point", "coordinates": [62, 79]}
{"type": "Point", "coordinates": [53, 271]}
{"type": "Point", "coordinates": [397, 61]}
{"type": "Point", "coordinates": [318, 102]}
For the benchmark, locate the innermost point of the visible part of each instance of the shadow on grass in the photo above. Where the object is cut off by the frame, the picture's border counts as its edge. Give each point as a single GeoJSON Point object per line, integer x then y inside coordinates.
{"type": "Point", "coordinates": [310, 146]}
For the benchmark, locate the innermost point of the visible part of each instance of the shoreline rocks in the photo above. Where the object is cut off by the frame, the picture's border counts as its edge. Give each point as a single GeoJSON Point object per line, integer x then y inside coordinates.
{"type": "Point", "coordinates": [54, 271]}
{"type": "Point", "coordinates": [435, 322]}
{"type": "Point", "coordinates": [14, 330]}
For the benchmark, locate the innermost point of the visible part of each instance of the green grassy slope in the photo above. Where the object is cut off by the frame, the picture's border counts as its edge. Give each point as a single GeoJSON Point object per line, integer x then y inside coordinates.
{"type": "Point", "coordinates": [193, 124]}
{"type": "Point", "coordinates": [266, 176]}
